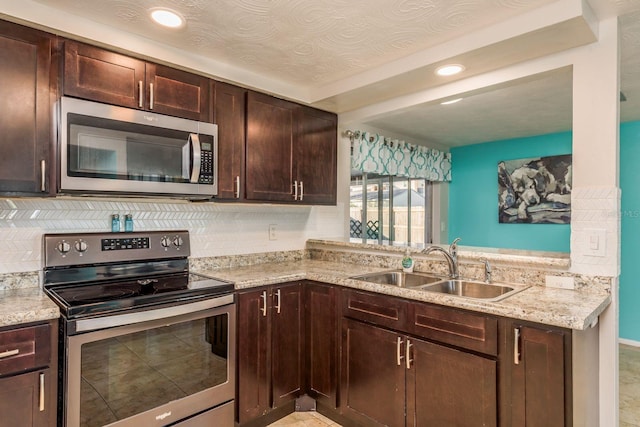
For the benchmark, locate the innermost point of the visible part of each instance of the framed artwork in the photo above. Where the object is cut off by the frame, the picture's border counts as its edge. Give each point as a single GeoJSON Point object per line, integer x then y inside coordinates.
{"type": "Point", "coordinates": [535, 191]}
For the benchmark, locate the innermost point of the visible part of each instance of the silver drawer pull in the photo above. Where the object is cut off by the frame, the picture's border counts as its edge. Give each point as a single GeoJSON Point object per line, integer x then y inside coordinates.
{"type": "Point", "coordinates": [9, 353]}
{"type": "Point", "coordinates": [399, 355]}
{"type": "Point", "coordinates": [41, 396]}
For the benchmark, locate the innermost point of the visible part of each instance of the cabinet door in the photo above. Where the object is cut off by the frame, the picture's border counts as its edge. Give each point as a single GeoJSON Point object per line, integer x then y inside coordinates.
{"type": "Point", "coordinates": [448, 387]}
{"type": "Point", "coordinates": [287, 343]}
{"type": "Point", "coordinates": [269, 148]}
{"type": "Point", "coordinates": [321, 343]}
{"type": "Point", "coordinates": [540, 375]}
{"type": "Point", "coordinates": [177, 93]}
{"type": "Point", "coordinates": [316, 155]}
{"type": "Point", "coordinates": [373, 375]}
{"type": "Point", "coordinates": [26, 400]}
{"type": "Point", "coordinates": [25, 109]}
{"type": "Point", "coordinates": [99, 75]}
{"type": "Point", "coordinates": [229, 114]}
{"type": "Point", "coordinates": [253, 346]}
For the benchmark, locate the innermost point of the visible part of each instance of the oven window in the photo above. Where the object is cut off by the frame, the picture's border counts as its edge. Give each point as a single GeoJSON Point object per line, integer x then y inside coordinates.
{"type": "Point", "coordinates": [128, 374]}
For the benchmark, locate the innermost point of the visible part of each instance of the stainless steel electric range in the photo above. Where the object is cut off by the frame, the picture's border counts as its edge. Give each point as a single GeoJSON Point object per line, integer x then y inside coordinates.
{"type": "Point", "coordinates": [143, 341]}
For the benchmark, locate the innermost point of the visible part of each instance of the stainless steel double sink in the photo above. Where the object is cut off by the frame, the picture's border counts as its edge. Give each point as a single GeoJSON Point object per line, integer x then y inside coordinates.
{"type": "Point", "coordinates": [431, 283]}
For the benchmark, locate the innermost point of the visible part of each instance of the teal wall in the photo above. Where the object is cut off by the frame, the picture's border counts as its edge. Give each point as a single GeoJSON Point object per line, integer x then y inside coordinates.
{"type": "Point", "coordinates": [630, 241]}
{"type": "Point", "coordinates": [473, 195]}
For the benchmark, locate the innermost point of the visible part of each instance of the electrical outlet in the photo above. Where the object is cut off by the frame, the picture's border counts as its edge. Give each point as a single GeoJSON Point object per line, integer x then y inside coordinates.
{"type": "Point", "coordinates": [561, 282]}
{"type": "Point", "coordinates": [272, 232]}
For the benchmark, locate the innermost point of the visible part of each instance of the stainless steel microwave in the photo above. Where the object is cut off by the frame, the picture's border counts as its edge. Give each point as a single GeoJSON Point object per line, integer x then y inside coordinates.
{"type": "Point", "coordinates": [106, 149]}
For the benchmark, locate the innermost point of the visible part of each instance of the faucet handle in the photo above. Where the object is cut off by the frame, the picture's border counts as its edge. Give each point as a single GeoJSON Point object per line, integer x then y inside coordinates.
{"type": "Point", "coordinates": [487, 270]}
{"type": "Point", "coordinates": [453, 247]}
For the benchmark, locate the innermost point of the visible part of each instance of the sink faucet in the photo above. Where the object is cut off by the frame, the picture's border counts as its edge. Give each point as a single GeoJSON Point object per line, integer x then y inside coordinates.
{"type": "Point", "coordinates": [451, 256]}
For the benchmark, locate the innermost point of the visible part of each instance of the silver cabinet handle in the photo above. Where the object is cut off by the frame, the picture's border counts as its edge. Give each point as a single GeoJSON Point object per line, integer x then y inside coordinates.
{"type": "Point", "coordinates": [295, 190]}
{"type": "Point", "coordinates": [516, 347]}
{"type": "Point", "coordinates": [264, 303]}
{"type": "Point", "coordinates": [399, 355]}
{"type": "Point", "coordinates": [140, 94]}
{"type": "Point", "coordinates": [41, 397]}
{"type": "Point", "coordinates": [278, 296]}
{"type": "Point", "coordinates": [151, 96]}
{"type": "Point", "coordinates": [301, 191]}
{"type": "Point", "coordinates": [9, 353]}
{"type": "Point", "coordinates": [238, 187]}
{"type": "Point", "coordinates": [408, 354]}
{"type": "Point", "coordinates": [43, 175]}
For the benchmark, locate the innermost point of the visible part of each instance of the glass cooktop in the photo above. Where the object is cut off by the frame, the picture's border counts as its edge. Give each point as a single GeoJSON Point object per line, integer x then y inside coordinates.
{"type": "Point", "coordinates": [97, 298]}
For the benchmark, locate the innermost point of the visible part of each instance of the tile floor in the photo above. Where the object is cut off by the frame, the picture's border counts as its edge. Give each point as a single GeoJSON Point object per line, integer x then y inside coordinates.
{"type": "Point", "coordinates": [629, 396]}
{"type": "Point", "coordinates": [306, 419]}
{"type": "Point", "coordinates": [629, 386]}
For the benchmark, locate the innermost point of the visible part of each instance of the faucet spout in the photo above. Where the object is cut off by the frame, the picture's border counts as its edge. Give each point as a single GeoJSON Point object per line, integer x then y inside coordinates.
{"type": "Point", "coordinates": [452, 259]}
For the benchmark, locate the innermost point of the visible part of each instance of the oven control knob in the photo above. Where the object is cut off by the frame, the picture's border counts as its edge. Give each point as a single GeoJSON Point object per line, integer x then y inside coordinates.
{"type": "Point", "coordinates": [165, 242]}
{"type": "Point", "coordinates": [63, 247]}
{"type": "Point", "coordinates": [81, 246]}
{"type": "Point", "coordinates": [177, 241]}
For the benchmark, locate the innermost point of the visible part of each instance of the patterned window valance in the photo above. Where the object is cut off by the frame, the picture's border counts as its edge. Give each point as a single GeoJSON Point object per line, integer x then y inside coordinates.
{"type": "Point", "coordinates": [373, 153]}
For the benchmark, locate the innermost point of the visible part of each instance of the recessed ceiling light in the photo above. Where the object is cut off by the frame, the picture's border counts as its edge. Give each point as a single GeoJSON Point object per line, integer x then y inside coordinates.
{"type": "Point", "coordinates": [167, 17]}
{"type": "Point", "coordinates": [449, 69]}
{"type": "Point", "coordinates": [453, 101]}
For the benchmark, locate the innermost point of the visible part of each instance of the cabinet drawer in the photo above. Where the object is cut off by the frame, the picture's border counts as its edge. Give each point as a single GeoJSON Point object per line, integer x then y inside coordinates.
{"type": "Point", "coordinates": [377, 309]}
{"type": "Point", "coordinates": [460, 328]}
{"type": "Point", "coordinates": [24, 349]}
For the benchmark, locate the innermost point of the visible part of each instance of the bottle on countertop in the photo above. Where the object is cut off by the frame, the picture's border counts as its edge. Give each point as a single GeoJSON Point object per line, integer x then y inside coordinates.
{"type": "Point", "coordinates": [128, 223]}
{"type": "Point", "coordinates": [115, 223]}
{"type": "Point", "coordinates": [407, 262]}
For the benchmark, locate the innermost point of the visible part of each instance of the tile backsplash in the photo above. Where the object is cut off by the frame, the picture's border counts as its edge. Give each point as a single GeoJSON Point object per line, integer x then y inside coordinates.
{"type": "Point", "coordinates": [217, 229]}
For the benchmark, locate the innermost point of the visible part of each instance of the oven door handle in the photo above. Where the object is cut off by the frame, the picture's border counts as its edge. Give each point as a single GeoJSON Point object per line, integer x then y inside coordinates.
{"type": "Point", "coordinates": [196, 153]}
{"type": "Point", "coordinates": [85, 325]}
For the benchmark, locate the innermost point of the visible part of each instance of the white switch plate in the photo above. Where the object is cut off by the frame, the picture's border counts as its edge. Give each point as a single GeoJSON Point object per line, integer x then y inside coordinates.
{"type": "Point", "coordinates": [596, 239]}
{"type": "Point", "coordinates": [561, 282]}
{"type": "Point", "coordinates": [272, 232]}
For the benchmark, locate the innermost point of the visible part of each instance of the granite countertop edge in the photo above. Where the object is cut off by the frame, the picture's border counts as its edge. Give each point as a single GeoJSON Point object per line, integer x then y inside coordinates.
{"type": "Point", "coordinates": [571, 309]}
{"type": "Point", "coordinates": [26, 305]}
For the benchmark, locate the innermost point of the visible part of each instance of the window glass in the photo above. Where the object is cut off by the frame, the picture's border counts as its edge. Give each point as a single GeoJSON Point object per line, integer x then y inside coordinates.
{"type": "Point", "coordinates": [388, 210]}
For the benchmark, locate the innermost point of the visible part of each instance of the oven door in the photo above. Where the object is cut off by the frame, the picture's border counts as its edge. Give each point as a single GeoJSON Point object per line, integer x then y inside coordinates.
{"type": "Point", "coordinates": [103, 148]}
{"type": "Point", "coordinates": [152, 373]}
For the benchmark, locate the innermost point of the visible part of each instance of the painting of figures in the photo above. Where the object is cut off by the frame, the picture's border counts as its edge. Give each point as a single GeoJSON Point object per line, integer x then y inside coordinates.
{"type": "Point", "coordinates": [536, 190]}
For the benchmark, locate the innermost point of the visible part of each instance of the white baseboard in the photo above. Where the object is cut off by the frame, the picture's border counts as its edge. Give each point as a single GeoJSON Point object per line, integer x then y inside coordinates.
{"type": "Point", "coordinates": [629, 342]}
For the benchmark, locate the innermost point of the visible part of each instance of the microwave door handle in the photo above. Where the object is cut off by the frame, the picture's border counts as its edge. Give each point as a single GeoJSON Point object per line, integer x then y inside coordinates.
{"type": "Point", "coordinates": [194, 142]}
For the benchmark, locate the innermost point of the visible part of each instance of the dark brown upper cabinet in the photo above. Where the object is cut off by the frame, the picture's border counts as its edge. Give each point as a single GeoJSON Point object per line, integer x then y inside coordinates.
{"type": "Point", "coordinates": [229, 106]}
{"type": "Point", "coordinates": [291, 152]}
{"type": "Point", "coordinates": [26, 96]}
{"type": "Point", "coordinates": [103, 76]}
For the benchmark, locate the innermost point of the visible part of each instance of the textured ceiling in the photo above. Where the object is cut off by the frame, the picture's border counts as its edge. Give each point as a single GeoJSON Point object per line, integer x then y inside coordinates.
{"type": "Point", "coordinates": [303, 41]}
{"type": "Point", "coordinates": [314, 43]}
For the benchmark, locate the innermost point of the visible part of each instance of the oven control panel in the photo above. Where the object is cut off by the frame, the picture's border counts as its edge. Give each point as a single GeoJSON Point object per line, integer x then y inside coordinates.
{"type": "Point", "coordinates": [96, 248]}
{"type": "Point", "coordinates": [123, 244]}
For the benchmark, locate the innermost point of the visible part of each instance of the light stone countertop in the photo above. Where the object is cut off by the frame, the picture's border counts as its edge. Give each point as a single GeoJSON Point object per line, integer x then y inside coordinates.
{"type": "Point", "coordinates": [571, 309]}
{"type": "Point", "coordinates": [26, 305]}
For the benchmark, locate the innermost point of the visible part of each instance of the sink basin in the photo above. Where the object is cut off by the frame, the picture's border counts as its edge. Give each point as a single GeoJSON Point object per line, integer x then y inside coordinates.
{"type": "Point", "coordinates": [398, 278]}
{"type": "Point", "coordinates": [472, 289]}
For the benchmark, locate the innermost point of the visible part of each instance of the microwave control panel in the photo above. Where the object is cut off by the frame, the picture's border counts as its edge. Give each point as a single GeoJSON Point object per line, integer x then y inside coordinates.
{"type": "Point", "coordinates": [206, 165]}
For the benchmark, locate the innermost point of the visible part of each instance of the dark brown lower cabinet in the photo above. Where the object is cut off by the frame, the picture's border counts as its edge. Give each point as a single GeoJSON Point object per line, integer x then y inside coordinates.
{"type": "Point", "coordinates": [393, 379]}
{"type": "Point", "coordinates": [540, 376]}
{"type": "Point", "coordinates": [372, 389]}
{"type": "Point", "coordinates": [321, 343]}
{"type": "Point", "coordinates": [449, 387]}
{"type": "Point", "coordinates": [270, 349]}
{"type": "Point", "coordinates": [28, 375]}
{"type": "Point", "coordinates": [22, 403]}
